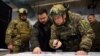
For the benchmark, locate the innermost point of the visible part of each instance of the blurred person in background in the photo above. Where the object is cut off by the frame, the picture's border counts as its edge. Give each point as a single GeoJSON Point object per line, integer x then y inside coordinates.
{"type": "Point", "coordinates": [96, 28]}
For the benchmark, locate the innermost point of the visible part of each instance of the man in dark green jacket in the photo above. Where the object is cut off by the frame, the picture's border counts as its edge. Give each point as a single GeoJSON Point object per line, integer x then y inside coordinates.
{"type": "Point", "coordinates": [96, 28]}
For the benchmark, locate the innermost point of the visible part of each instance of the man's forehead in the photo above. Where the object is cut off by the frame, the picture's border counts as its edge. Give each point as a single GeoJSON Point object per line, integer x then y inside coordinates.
{"type": "Point", "coordinates": [91, 16]}
{"type": "Point", "coordinates": [57, 16]}
{"type": "Point", "coordinates": [42, 15]}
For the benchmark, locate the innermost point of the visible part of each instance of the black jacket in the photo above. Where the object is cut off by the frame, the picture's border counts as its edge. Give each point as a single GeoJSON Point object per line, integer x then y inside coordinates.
{"type": "Point", "coordinates": [41, 36]}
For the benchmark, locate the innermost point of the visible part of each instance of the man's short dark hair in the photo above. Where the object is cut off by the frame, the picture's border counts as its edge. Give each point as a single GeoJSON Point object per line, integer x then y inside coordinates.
{"type": "Point", "coordinates": [41, 11]}
{"type": "Point", "coordinates": [91, 15]}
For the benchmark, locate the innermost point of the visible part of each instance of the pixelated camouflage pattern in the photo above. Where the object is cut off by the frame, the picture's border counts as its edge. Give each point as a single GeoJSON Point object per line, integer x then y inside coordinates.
{"type": "Point", "coordinates": [75, 34]}
{"type": "Point", "coordinates": [18, 34]}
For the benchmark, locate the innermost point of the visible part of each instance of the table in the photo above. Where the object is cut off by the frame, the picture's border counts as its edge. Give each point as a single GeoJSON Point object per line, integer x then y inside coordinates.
{"type": "Point", "coordinates": [3, 51]}
{"type": "Point", "coordinates": [51, 54]}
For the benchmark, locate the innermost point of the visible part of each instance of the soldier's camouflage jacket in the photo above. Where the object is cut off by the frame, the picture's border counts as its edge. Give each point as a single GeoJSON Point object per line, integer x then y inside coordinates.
{"type": "Point", "coordinates": [18, 34]}
{"type": "Point", "coordinates": [75, 34]}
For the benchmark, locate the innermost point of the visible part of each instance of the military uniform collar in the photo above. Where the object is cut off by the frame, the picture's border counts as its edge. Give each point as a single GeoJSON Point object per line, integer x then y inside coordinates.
{"type": "Point", "coordinates": [22, 20]}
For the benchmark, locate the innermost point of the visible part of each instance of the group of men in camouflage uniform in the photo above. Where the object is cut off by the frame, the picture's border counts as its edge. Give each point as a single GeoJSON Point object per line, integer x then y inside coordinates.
{"type": "Point", "coordinates": [65, 30]}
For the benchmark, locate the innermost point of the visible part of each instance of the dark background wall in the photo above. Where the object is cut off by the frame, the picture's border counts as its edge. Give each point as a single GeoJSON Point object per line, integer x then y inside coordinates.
{"type": "Point", "coordinates": [5, 17]}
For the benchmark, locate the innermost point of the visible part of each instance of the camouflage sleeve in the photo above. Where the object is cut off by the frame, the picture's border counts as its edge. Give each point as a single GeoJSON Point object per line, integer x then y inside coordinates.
{"type": "Point", "coordinates": [34, 39]}
{"type": "Point", "coordinates": [86, 33]}
{"type": "Point", "coordinates": [53, 35]}
{"type": "Point", "coordinates": [9, 33]}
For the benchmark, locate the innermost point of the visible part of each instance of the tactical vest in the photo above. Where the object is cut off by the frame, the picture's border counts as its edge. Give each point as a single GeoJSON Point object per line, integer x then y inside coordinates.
{"type": "Point", "coordinates": [69, 35]}
{"type": "Point", "coordinates": [22, 31]}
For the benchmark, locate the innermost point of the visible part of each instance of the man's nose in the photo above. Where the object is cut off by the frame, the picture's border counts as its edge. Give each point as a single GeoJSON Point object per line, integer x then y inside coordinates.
{"type": "Point", "coordinates": [42, 20]}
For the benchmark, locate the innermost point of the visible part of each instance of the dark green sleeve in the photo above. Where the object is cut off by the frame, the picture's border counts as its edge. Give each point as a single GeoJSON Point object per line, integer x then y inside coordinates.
{"type": "Point", "coordinates": [86, 33]}
{"type": "Point", "coordinates": [34, 39]}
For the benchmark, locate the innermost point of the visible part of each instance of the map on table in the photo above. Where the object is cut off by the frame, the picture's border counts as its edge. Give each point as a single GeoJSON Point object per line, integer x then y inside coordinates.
{"type": "Point", "coordinates": [52, 54]}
